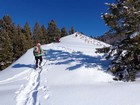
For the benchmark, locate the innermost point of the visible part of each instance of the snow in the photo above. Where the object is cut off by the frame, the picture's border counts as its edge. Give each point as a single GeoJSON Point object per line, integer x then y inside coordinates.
{"type": "Point", "coordinates": [72, 74]}
{"type": "Point", "coordinates": [125, 7]}
{"type": "Point", "coordinates": [137, 12]}
{"type": "Point", "coordinates": [134, 35]}
{"type": "Point", "coordinates": [124, 52]}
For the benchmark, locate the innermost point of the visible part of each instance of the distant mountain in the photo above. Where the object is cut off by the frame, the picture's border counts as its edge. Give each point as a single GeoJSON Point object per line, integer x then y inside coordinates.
{"type": "Point", "coordinates": [111, 39]}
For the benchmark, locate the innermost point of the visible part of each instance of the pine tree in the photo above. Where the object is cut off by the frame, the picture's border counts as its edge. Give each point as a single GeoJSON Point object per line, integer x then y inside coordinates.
{"type": "Point", "coordinates": [8, 26]}
{"type": "Point", "coordinates": [28, 37]}
{"type": "Point", "coordinates": [6, 54]}
{"type": "Point", "coordinates": [45, 39]}
{"type": "Point", "coordinates": [123, 19]}
{"type": "Point", "coordinates": [63, 32]}
{"type": "Point", "coordinates": [23, 42]}
{"type": "Point", "coordinates": [71, 30]}
{"type": "Point", "coordinates": [13, 41]}
{"type": "Point", "coordinates": [53, 31]}
{"type": "Point", "coordinates": [17, 42]}
{"type": "Point", "coordinates": [37, 33]}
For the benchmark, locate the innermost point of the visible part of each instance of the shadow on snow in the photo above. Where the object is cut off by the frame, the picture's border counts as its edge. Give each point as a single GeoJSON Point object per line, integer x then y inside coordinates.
{"type": "Point", "coordinates": [77, 58]}
{"type": "Point", "coordinates": [23, 65]}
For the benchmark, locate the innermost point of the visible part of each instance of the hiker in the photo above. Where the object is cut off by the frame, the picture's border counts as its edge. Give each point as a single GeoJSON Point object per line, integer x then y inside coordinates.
{"type": "Point", "coordinates": [38, 54]}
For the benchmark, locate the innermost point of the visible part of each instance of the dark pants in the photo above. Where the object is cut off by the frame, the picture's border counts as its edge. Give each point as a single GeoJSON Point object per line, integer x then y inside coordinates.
{"type": "Point", "coordinates": [38, 58]}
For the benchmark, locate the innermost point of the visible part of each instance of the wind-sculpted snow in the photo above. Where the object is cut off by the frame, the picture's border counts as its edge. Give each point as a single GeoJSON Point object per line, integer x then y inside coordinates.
{"type": "Point", "coordinates": [72, 74]}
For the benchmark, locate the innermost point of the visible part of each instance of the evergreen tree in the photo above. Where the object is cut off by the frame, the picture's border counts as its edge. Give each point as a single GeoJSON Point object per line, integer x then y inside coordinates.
{"type": "Point", "coordinates": [45, 38]}
{"type": "Point", "coordinates": [23, 42]}
{"type": "Point", "coordinates": [53, 31]}
{"type": "Point", "coordinates": [8, 26]}
{"type": "Point", "coordinates": [71, 30]}
{"type": "Point", "coordinates": [63, 32]}
{"type": "Point", "coordinates": [37, 33]}
{"type": "Point", "coordinates": [17, 42]}
{"type": "Point", "coordinates": [13, 41]}
{"type": "Point", "coordinates": [10, 40]}
{"type": "Point", "coordinates": [6, 54]}
{"type": "Point", "coordinates": [28, 37]}
{"type": "Point", "coordinates": [123, 19]}
{"type": "Point", "coordinates": [14, 35]}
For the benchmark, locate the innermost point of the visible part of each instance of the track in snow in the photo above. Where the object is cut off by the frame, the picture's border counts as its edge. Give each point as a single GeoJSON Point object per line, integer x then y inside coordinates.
{"type": "Point", "coordinates": [28, 95]}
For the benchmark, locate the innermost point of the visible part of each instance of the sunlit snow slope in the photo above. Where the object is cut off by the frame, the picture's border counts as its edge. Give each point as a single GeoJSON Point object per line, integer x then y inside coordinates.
{"type": "Point", "coordinates": [72, 74]}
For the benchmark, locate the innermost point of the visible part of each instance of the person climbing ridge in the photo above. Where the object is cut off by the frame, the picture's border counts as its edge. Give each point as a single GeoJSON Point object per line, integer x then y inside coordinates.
{"type": "Point", "coordinates": [38, 52]}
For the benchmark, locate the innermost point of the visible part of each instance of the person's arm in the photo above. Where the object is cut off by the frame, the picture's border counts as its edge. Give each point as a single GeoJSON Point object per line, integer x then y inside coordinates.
{"type": "Point", "coordinates": [41, 50]}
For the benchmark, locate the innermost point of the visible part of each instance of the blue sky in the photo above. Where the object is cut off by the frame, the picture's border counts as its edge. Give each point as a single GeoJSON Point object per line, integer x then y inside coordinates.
{"type": "Point", "coordinates": [83, 15]}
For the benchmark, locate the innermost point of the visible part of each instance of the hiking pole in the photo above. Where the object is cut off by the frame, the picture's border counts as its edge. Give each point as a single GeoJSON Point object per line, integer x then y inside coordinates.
{"type": "Point", "coordinates": [45, 63]}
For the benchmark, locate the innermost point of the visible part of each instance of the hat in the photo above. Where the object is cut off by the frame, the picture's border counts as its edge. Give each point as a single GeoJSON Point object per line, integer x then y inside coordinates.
{"type": "Point", "coordinates": [38, 44]}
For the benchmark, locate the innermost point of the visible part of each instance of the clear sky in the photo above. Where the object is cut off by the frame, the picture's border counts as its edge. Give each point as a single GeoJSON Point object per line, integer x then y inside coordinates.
{"type": "Point", "coordinates": [83, 15]}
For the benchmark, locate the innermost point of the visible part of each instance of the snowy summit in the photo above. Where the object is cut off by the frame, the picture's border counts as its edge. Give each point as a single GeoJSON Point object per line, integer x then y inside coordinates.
{"type": "Point", "coordinates": [72, 74]}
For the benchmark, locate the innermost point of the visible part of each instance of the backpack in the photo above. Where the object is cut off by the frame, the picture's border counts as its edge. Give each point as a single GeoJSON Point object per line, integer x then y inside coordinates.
{"type": "Point", "coordinates": [37, 50]}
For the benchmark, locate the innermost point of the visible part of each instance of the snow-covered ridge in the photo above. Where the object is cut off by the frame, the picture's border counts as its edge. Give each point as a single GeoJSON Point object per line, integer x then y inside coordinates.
{"type": "Point", "coordinates": [73, 74]}
{"type": "Point", "coordinates": [90, 40]}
